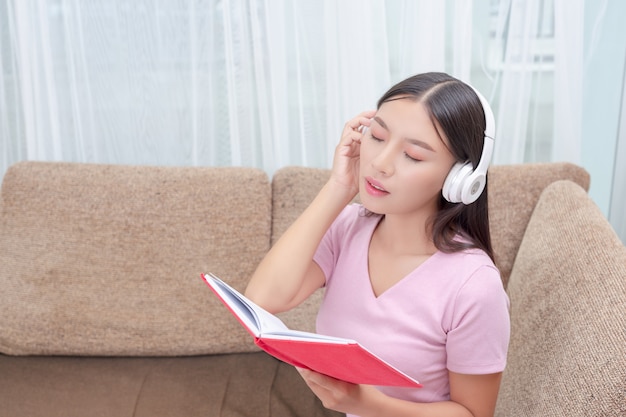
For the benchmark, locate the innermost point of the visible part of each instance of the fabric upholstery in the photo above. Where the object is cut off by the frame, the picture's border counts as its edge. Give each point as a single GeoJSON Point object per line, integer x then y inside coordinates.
{"type": "Point", "coordinates": [106, 260]}
{"type": "Point", "coordinates": [103, 312]}
{"type": "Point", "coordinates": [568, 313]}
{"type": "Point", "coordinates": [234, 385]}
{"type": "Point", "coordinates": [513, 193]}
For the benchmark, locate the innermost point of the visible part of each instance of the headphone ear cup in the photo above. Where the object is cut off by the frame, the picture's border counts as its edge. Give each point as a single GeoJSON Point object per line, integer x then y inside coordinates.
{"type": "Point", "coordinates": [456, 181]}
{"type": "Point", "coordinates": [473, 187]}
{"type": "Point", "coordinates": [464, 184]}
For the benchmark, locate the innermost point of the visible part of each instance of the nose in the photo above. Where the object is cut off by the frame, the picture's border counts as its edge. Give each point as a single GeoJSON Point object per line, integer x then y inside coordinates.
{"type": "Point", "coordinates": [384, 161]}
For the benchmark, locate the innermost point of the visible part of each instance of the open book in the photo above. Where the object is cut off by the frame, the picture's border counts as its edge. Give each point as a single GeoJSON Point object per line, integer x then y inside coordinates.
{"type": "Point", "coordinates": [339, 358]}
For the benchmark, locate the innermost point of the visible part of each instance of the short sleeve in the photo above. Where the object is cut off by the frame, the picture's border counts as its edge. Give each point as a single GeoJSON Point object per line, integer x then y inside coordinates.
{"type": "Point", "coordinates": [478, 338]}
{"type": "Point", "coordinates": [325, 253]}
{"type": "Point", "coordinates": [328, 250]}
{"type": "Point", "coordinates": [334, 240]}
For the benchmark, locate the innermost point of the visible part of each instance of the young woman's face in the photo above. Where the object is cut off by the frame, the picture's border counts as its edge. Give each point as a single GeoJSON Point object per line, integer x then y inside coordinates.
{"type": "Point", "coordinates": [404, 161]}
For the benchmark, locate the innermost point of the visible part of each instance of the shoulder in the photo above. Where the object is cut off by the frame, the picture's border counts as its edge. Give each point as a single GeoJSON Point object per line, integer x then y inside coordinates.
{"type": "Point", "coordinates": [476, 276]}
{"type": "Point", "coordinates": [467, 263]}
{"type": "Point", "coordinates": [479, 303]}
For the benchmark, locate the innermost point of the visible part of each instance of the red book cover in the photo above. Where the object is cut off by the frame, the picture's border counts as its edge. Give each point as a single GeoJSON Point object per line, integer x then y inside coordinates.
{"type": "Point", "coordinates": [339, 358]}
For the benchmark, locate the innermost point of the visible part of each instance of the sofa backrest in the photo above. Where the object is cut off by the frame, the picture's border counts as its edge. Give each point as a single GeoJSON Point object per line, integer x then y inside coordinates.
{"type": "Point", "coordinates": [513, 194]}
{"type": "Point", "coordinates": [91, 256]}
{"type": "Point", "coordinates": [106, 260]}
{"type": "Point", "coordinates": [567, 355]}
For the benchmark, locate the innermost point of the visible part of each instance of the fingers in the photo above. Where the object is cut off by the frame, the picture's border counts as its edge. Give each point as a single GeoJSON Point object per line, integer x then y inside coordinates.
{"type": "Point", "coordinates": [345, 170]}
{"type": "Point", "coordinates": [335, 394]}
{"type": "Point", "coordinates": [360, 120]}
{"type": "Point", "coordinates": [318, 379]}
{"type": "Point", "coordinates": [354, 128]}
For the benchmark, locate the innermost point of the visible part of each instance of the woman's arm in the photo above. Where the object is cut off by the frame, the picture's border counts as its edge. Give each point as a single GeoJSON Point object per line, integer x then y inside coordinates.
{"type": "Point", "coordinates": [288, 274]}
{"type": "Point", "coordinates": [470, 396]}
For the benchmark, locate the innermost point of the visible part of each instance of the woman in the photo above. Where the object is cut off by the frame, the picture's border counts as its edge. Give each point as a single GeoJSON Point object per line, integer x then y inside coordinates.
{"type": "Point", "coordinates": [409, 272]}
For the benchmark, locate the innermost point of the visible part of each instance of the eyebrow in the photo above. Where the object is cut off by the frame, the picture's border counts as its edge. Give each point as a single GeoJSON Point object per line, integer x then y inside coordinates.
{"type": "Point", "coordinates": [413, 141]}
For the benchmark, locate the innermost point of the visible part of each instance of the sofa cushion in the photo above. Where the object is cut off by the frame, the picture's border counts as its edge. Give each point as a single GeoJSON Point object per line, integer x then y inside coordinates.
{"type": "Point", "coordinates": [106, 260]}
{"type": "Point", "coordinates": [568, 312]}
{"type": "Point", "coordinates": [241, 385]}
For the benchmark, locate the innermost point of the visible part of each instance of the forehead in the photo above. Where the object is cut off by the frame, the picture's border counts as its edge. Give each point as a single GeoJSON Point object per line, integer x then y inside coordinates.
{"type": "Point", "coordinates": [407, 109]}
{"type": "Point", "coordinates": [409, 117]}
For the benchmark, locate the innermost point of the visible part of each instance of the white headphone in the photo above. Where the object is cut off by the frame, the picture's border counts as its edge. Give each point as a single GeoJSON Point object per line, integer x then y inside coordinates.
{"type": "Point", "coordinates": [463, 183]}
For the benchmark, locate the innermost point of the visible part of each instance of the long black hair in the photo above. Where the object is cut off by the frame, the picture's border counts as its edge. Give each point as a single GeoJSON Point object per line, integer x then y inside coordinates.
{"type": "Point", "coordinates": [458, 115]}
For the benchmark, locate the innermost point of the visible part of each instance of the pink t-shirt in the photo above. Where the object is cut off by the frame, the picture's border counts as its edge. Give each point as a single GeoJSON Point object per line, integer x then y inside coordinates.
{"type": "Point", "coordinates": [450, 313]}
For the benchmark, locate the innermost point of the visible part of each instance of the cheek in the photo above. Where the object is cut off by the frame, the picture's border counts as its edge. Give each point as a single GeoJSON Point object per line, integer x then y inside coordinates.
{"type": "Point", "coordinates": [429, 181]}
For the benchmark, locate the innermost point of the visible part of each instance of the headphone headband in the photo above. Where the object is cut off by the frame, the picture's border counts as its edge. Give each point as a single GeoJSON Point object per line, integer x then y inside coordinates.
{"type": "Point", "coordinates": [490, 122]}
{"type": "Point", "coordinates": [464, 184]}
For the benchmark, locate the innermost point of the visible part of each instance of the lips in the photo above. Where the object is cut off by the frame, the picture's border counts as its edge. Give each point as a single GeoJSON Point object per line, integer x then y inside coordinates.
{"type": "Point", "coordinates": [374, 187]}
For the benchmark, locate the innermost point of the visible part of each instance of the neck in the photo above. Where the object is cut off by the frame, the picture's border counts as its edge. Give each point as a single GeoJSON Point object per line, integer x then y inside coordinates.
{"type": "Point", "coordinates": [404, 234]}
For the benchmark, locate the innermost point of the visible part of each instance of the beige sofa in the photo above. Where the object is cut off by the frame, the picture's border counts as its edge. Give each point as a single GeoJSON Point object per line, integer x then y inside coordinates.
{"type": "Point", "coordinates": [103, 312]}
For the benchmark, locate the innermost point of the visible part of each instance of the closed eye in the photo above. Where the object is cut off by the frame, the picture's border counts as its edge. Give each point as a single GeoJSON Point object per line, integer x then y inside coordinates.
{"type": "Point", "coordinates": [375, 138]}
{"type": "Point", "coordinates": [411, 158]}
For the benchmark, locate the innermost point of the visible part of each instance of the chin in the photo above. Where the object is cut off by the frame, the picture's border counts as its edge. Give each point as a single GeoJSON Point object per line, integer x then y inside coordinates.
{"type": "Point", "coordinates": [371, 208]}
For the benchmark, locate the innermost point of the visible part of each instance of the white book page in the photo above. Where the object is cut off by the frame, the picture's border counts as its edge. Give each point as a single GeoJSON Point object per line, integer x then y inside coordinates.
{"type": "Point", "coordinates": [257, 319]}
{"type": "Point", "coordinates": [308, 336]}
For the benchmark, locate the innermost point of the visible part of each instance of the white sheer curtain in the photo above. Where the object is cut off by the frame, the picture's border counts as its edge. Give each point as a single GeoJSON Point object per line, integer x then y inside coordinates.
{"type": "Point", "coordinates": [262, 83]}
{"type": "Point", "coordinates": [269, 83]}
{"type": "Point", "coordinates": [230, 82]}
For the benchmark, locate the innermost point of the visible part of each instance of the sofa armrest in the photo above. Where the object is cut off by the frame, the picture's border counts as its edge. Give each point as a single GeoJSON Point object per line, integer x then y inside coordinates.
{"type": "Point", "coordinates": [568, 312]}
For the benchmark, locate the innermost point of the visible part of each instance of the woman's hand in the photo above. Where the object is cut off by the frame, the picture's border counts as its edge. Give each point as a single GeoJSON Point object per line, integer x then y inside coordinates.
{"type": "Point", "coordinates": [340, 395]}
{"type": "Point", "coordinates": [345, 170]}
{"type": "Point", "coordinates": [471, 396]}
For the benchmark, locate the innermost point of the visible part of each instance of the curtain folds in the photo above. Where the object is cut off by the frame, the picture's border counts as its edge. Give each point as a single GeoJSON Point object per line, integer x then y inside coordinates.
{"type": "Point", "coordinates": [263, 83]}
{"type": "Point", "coordinates": [270, 83]}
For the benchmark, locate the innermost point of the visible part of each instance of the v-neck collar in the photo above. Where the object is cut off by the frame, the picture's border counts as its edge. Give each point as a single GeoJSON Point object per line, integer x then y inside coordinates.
{"type": "Point", "coordinates": [399, 283]}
